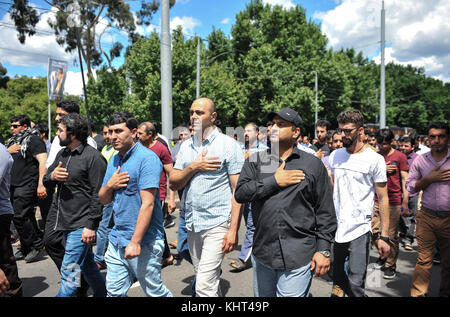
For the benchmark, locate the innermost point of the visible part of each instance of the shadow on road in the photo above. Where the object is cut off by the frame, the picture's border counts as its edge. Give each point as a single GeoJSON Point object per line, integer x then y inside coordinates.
{"type": "Point", "coordinates": [34, 285]}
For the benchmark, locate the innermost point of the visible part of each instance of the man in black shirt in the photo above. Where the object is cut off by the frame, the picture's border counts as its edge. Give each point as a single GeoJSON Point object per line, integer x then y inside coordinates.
{"type": "Point", "coordinates": [321, 147]}
{"type": "Point", "coordinates": [29, 154]}
{"type": "Point", "coordinates": [293, 212]}
{"type": "Point", "coordinates": [77, 171]}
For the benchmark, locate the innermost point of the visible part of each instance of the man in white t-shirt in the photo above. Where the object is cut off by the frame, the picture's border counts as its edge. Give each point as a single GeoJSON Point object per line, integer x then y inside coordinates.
{"type": "Point", "coordinates": [357, 173]}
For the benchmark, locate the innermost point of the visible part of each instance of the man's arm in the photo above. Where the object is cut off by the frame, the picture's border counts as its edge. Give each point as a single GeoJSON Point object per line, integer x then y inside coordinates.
{"type": "Point", "coordinates": [383, 201]}
{"type": "Point", "coordinates": [4, 283]}
{"type": "Point", "coordinates": [42, 159]}
{"type": "Point", "coordinates": [404, 175]}
{"type": "Point", "coordinates": [133, 249]}
{"type": "Point", "coordinates": [180, 178]}
{"type": "Point", "coordinates": [168, 168]}
{"type": "Point", "coordinates": [230, 240]}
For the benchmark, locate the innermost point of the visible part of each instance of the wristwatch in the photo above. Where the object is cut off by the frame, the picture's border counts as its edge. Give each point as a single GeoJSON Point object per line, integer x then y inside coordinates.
{"type": "Point", "coordinates": [325, 253]}
{"type": "Point", "coordinates": [385, 239]}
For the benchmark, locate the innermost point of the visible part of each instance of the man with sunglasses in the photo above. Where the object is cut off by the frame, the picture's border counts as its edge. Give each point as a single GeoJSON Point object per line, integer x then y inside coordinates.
{"type": "Point", "coordinates": [357, 173]}
{"type": "Point", "coordinates": [29, 154]}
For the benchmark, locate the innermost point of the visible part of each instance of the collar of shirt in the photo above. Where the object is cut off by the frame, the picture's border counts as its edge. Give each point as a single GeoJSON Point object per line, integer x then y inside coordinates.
{"type": "Point", "coordinates": [129, 152]}
{"type": "Point", "coordinates": [430, 158]}
{"type": "Point", "coordinates": [79, 149]}
{"type": "Point", "coordinates": [209, 139]}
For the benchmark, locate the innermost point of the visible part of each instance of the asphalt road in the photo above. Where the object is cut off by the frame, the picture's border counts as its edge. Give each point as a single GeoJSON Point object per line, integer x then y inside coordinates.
{"type": "Point", "coordinates": [42, 279]}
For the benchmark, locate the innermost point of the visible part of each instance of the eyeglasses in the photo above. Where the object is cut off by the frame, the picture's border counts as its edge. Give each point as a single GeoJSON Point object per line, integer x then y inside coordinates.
{"type": "Point", "coordinates": [346, 131]}
{"type": "Point", "coordinates": [15, 126]}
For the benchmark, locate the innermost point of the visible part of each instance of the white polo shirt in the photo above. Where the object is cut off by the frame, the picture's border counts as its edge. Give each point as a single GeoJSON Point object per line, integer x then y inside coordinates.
{"type": "Point", "coordinates": [355, 176]}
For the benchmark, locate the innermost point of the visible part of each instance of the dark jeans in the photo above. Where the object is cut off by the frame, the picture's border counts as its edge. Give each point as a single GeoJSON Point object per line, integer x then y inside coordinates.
{"type": "Point", "coordinates": [24, 199]}
{"type": "Point", "coordinates": [7, 261]}
{"type": "Point", "coordinates": [407, 224]}
{"type": "Point", "coordinates": [352, 282]}
{"type": "Point", "coordinates": [166, 253]}
{"type": "Point", "coordinates": [44, 207]}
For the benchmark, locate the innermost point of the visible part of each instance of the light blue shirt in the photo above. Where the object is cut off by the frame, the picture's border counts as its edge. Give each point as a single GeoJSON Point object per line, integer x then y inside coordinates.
{"type": "Point", "coordinates": [144, 169]}
{"type": "Point", "coordinates": [208, 195]}
{"type": "Point", "coordinates": [257, 148]}
{"type": "Point", "coordinates": [6, 162]}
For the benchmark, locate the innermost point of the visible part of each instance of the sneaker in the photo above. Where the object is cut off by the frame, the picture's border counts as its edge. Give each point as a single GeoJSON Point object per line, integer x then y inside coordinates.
{"type": "Point", "coordinates": [379, 264]}
{"type": "Point", "coordinates": [168, 222]}
{"type": "Point", "coordinates": [437, 259]}
{"type": "Point", "coordinates": [19, 255]}
{"type": "Point", "coordinates": [32, 256]}
{"type": "Point", "coordinates": [408, 246]}
{"type": "Point", "coordinates": [389, 273]}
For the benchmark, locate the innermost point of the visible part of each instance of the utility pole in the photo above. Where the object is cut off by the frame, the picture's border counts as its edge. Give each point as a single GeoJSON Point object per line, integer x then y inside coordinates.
{"type": "Point", "coordinates": [198, 69]}
{"type": "Point", "coordinates": [316, 118]}
{"type": "Point", "coordinates": [166, 71]}
{"type": "Point", "coordinates": [382, 72]}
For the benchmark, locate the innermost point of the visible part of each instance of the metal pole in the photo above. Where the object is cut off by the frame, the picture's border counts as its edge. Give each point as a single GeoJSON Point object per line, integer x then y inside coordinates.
{"type": "Point", "coordinates": [49, 136]}
{"type": "Point", "coordinates": [198, 69]}
{"type": "Point", "coordinates": [382, 73]}
{"type": "Point", "coordinates": [82, 73]}
{"type": "Point", "coordinates": [166, 71]}
{"type": "Point", "coordinates": [316, 118]}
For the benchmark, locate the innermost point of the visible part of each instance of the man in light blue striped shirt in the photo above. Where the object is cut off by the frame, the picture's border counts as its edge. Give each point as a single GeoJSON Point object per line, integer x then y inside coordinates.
{"type": "Point", "coordinates": [208, 166]}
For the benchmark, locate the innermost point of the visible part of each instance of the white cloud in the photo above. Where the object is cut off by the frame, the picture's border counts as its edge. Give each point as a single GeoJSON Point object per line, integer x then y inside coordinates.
{"type": "Point", "coordinates": [187, 23]}
{"type": "Point", "coordinates": [417, 31]}
{"type": "Point", "coordinates": [36, 49]}
{"type": "Point", "coordinates": [225, 21]}
{"type": "Point", "coordinates": [286, 4]}
{"type": "Point", "coordinates": [74, 84]}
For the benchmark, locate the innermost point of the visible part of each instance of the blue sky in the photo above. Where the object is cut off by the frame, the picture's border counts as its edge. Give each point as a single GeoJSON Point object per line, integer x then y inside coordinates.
{"type": "Point", "coordinates": [415, 30]}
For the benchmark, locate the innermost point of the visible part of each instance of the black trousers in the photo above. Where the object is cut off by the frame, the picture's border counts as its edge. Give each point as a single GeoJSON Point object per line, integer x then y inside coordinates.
{"type": "Point", "coordinates": [24, 199]}
{"type": "Point", "coordinates": [7, 261]}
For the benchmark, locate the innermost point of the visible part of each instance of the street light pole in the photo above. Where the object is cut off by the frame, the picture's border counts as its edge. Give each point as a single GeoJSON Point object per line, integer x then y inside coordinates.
{"type": "Point", "coordinates": [198, 69]}
{"type": "Point", "coordinates": [382, 73]}
{"type": "Point", "coordinates": [316, 117]}
{"type": "Point", "coordinates": [166, 71]}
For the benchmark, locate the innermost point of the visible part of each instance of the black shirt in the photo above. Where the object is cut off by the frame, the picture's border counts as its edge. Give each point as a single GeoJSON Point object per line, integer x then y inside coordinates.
{"type": "Point", "coordinates": [100, 140]}
{"type": "Point", "coordinates": [291, 223]}
{"type": "Point", "coordinates": [26, 170]}
{"type": "Point", "coordinates": [323, 147]}
{"type": "Point", "coordinates": [76, 201]}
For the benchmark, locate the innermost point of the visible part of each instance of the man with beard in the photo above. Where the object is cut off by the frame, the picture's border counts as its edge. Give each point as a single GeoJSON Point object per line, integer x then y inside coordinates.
{"type": "Point", "coordinates": [321, 146]}
{"type": "Point", "coordinates": [430, 173]}
{"type": "Point", "coordinates": [77, 173]}
{"type": "Point", "coordinates": [397, 173]}
{"type": "Point", "coordinates": [357, 172]}
{"type": "Point", "coordinates": [29, 154]}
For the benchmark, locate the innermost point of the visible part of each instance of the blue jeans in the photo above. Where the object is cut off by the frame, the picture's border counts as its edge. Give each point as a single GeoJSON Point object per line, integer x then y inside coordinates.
{"type": "Point", "coordinates": [268, 282]}
{"type": "Point", "coordinates": [247, 245]}
{"type": "Point", "coordinates": [103, 233]}
{"type": "Point", "coordinates": [146, 268]}
{"type": "Point", "coordinates": [78, 258]}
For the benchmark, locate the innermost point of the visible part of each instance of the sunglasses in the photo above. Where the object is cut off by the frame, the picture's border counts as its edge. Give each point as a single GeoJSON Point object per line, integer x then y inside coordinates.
{"type": "Point", "coordinates": [15, 126]}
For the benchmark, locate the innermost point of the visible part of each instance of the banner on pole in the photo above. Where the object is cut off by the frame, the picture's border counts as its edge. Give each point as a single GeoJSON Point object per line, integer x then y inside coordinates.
{"type": "Point", "coordinates": [57, 72]}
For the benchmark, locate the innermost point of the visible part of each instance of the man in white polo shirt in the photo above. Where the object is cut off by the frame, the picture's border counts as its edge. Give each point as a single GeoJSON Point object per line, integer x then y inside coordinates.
{"type": "Point", "coordinates": [357, 172]}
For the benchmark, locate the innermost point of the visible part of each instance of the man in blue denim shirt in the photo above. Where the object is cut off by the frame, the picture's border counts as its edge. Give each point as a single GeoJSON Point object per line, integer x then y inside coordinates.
{"type": "Point", "coordinates": [131, 183]}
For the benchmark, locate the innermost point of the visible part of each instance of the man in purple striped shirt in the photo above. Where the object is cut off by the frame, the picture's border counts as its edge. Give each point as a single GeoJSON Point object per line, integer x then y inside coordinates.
{"type": "Point", "coordinates": [430, 173]}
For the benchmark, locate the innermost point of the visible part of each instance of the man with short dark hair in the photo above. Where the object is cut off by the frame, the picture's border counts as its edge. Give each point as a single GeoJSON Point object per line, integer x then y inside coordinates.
{"type": "Point", "coordinates": [430, 173]}
{"type": "Point", "coordinates": [293, 212]}
{"type": "Point", "coordinates": [131, 183]}
{"type": "Point", "coordinates": [397, 173]}
{"type": "Point", "coordinates": [321, 146]}
{"type": "Point", "coordinates": [54, 239]}
{"type": "Point", "coordinates": [407, 222]}
{"type": "Point", "coordinates": [357, 172]}
{"type": "Point", "coordinates": [77, 173]}
{"type": "Point", "coordinates": [29, 154]}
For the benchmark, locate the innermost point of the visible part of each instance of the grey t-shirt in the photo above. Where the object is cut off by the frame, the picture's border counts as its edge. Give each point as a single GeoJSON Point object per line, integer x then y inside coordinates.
{"type": "Point", "coordinates": [6, 162]}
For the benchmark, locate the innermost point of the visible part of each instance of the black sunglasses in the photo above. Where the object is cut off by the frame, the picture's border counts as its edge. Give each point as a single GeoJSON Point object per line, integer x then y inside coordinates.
{"type": "Point", "coordinates": [15, 126]}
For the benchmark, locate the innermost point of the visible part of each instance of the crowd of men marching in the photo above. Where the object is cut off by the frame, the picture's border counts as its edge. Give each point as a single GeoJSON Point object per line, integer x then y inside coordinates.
{"type": "Point", "coordinates": [307, 207]}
